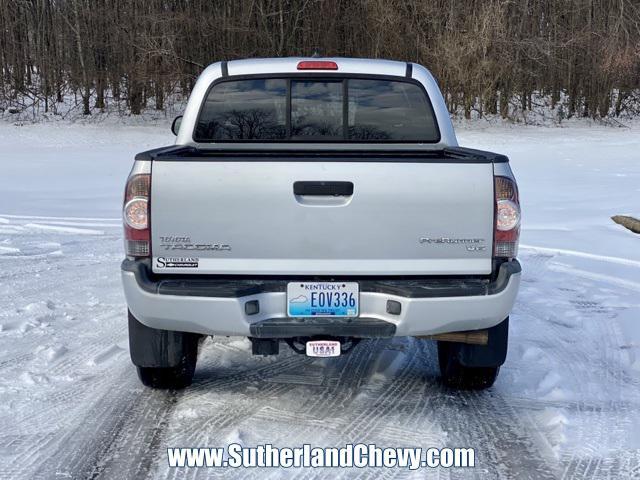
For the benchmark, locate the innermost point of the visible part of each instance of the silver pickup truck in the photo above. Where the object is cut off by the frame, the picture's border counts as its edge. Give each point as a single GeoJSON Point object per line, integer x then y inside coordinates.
{"type": "Point", "coordinates": [318, 202]}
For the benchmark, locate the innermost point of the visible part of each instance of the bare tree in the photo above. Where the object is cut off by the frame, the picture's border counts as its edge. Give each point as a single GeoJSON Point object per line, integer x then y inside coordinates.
{"type": "Point", "coordinates": [490, 56]}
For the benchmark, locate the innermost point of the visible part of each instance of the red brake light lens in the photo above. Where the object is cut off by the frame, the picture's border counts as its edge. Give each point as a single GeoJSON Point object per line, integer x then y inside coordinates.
{"type": "Point", "coordinates": [317, 65]}
{"type": "Point", "coordinates": [136, 213]}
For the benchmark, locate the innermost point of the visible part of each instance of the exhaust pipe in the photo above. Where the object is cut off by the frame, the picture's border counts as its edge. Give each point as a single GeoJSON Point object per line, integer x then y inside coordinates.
{"type": "Point", "coordinates": [472, 337]}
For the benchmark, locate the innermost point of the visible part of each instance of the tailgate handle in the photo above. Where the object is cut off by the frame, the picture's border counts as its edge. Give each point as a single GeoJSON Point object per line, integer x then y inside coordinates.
{"type": "Point", "coordinates": [337, 189]}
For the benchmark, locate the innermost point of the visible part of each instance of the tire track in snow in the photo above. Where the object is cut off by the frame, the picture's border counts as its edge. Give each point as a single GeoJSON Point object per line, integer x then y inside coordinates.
{"type": "Point", "coordinates": [510, 434]}
{"type": "Point", "coordinates": [600, 421]}
{"type": "Point", "coordinates": [118, 436]}
{"type": "Point", "coordinates": [131, 423]}
{"type": "Point", "coordinates": [323, 414]}
{"type": "Point", "coordinates": [139, 441]}
{"type": "Point", "coordinates": [349, 373]}
{"type": "Point", "coordinates": [578, 272]}
{"type": "Point", "coordinates": [506, 445]}
{"type": "Point", "coordinates": [66, 364]}
{"type": "Point", "coordinates": [576, 253]}
{"type": "Point", "coordinates": [232, 413]}
{"type": "Point", "coordinates": [393, 393]}
{"type": "Point", "coordinates": [307, 422]}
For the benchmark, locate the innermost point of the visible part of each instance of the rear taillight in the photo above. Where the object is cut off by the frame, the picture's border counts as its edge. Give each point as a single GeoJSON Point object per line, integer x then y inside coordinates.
{"type": "Point", "coordinates": [135, 214]}
{"type": "Point", "coordinates": [507, 218]}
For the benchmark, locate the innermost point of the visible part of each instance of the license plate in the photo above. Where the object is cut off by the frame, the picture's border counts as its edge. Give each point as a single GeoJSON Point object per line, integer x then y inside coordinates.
{"type": "Point", "coordinates": [322, 299]}
{"type": "Point", "coordinates": [323, 348]}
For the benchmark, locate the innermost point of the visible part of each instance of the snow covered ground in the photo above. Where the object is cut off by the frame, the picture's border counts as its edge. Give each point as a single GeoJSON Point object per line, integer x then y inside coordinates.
{"type": "Point", "coordinates": [566, 405]}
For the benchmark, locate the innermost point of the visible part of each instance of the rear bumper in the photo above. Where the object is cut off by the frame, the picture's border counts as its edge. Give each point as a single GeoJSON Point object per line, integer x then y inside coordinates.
{"type": "Point", "coordinates": [217, 306]}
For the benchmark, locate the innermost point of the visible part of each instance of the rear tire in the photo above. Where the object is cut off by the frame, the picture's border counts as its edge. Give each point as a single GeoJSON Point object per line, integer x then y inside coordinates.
{"type": "Point", "coordinates": [163, 358]}
{"type": "Point", "coordinates": [474, 367]}
{"type": "Point", "coordinates": [455, 375]}
{"type": "Point", "coordinates": [167, 377]}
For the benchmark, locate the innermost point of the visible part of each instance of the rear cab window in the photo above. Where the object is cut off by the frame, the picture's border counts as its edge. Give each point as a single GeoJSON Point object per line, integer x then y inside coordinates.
{"type": "Point", "coordinates": [303, 109]}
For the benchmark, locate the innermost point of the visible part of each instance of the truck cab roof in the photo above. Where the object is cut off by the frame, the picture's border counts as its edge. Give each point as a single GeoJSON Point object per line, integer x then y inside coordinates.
{"type": "Point", "coordinates": [316, 67]}
{"type": "Point", "coordinates": [290, 65]}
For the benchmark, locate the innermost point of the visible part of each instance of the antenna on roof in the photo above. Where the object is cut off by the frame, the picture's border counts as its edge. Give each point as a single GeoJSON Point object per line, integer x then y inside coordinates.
{"type": "Point", "coordinates": [316, 53]}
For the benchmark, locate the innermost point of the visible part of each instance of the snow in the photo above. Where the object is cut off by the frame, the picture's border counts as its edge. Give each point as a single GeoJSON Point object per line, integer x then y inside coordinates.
{"type": "Point", "coordinates": [566, 404]}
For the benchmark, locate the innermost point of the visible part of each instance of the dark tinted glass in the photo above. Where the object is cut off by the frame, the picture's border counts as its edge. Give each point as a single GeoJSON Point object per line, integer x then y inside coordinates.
{"type": "Point", "coordinates": [244, 110]}
{"type": "Point", "coordinates": [375, 111]}
{"type": "Point", "coordinates": [388, 110]}
{"type": "Point", "coordinates": [316, 110]}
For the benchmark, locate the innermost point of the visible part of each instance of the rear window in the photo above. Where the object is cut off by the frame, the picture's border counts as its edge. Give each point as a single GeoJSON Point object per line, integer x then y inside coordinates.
{"type": "Point", "coordinates": [316, 110]}
{"type": "Point", "coordinates": [244, 110]}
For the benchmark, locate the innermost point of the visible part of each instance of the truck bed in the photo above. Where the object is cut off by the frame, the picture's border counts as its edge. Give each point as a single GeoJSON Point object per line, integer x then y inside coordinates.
{"type": "Point", "coordinates": [449, 154]}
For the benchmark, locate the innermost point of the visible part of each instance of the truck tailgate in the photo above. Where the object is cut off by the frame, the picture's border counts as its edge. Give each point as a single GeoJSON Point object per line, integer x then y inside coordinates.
{"type": "Point", "coordinates": [243, 217]}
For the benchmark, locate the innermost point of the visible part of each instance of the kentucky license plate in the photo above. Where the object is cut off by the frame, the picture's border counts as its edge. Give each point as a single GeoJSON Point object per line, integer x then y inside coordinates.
{"type": "Point", "coordinates": [322, 299]}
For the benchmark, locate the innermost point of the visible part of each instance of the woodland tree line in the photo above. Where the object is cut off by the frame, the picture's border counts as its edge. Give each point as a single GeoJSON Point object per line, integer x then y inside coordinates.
{"type": "Point", "coordinates": [489, 56]}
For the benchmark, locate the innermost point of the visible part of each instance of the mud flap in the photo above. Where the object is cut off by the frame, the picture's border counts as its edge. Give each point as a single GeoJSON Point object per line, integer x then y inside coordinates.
{"type": "Point", "coordinates": [491, 355]}
{"type": "Point", "coordinates": [150, 347]}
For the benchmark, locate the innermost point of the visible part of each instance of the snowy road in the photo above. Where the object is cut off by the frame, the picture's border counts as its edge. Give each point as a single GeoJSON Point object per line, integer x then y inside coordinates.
{"type": "Point", "coordinates": [566, 405]}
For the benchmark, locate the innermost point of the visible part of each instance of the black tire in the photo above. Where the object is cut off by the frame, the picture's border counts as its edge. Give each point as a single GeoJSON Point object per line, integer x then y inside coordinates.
{"type": "Point", "coordinates": [167, 377]}
{"type": "Point", "coordinates": [163, 358]}
{"type": "Point", "coordinates": [455, 375]}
